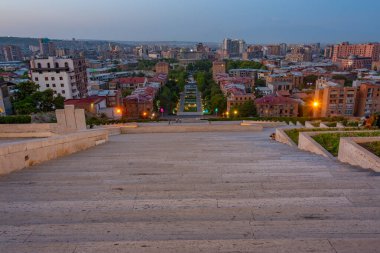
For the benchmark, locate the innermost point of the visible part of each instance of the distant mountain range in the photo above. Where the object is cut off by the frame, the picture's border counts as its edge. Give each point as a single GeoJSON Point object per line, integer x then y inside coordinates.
{"type": "Point", "coordinates": [25, 42]}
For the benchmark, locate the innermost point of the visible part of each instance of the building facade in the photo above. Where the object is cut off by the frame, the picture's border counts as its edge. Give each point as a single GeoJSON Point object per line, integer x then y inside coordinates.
{"type": "Point", "coordinates": [162, 67]}
{"type": "Point", "coordinates": [345, 49]}
{"type": "Point", "coordinates": [12, 53]}
{"type": "Point", "coordinates": [65, 76]}
{"type": "Point", "coordinates": [335, 101]}
{"type": "Point", "coordinates": [276, 106]}
{"type": "Point", "coordinates": [47, 48]}
{"type": "Point", "coordinates": [354, 62]}
{"type": "Point", "coordinates": [368, 99]}
{"type": "Point", "coordinates": [218, 67]}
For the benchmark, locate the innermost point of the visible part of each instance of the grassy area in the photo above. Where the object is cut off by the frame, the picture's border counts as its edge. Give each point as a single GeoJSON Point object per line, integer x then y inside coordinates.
{"type": "Point", "coordinates": [330, 141]}
{"type": "Point", "coordinates": [315, 124]}
{"type": "Point", "coordinates": [330, 124]}
{"type": "Point", "coordinates": [373, 147]}
{"type": "Point", "coordinates": [294, 133]}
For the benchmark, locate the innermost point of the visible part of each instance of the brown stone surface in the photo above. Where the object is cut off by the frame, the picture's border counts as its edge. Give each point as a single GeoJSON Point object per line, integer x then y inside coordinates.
{"type": "Point", "coordinates": [190, 192]}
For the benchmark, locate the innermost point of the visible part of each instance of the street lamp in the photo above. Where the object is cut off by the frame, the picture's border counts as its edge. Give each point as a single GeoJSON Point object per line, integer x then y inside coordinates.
{"type": "Point", "coordinates": [228, 114]}
{"type": "Point", "coordinates": [235, 113]}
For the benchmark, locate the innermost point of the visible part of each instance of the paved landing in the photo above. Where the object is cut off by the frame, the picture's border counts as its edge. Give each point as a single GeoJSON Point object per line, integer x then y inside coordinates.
{"type": "Point", "coordinates": [193, 192]}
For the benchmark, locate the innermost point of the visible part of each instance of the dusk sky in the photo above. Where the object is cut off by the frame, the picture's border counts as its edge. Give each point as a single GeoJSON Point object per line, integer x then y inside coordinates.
{"type": "Point", "coordinates": [256, 21]}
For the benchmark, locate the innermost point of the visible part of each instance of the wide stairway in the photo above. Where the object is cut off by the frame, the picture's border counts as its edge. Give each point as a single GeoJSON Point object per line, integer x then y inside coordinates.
{"type": "Point", "coordinates": [193, 192]}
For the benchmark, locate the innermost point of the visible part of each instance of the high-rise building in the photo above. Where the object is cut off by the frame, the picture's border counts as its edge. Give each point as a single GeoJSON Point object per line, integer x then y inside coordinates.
{"type": "Point", "coordinates": [47, 48]}
{"type": "Point", "coordinates": [233, 48]}
{"type": "Point", "coordinates": [283, 49]}
{"type": "Point", "coordinates": [328, 51]}
{"type": "Point", "coordinates": [273, 50]}
{"type": "Point", "coordinates": [66, 76]}
{"type": "Point", "coordinates": [12, 53]}
{"type": "Point", "coordinates": [345, 49]}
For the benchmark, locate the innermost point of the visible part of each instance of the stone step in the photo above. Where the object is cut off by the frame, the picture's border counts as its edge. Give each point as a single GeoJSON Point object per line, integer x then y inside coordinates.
{"type": "Point", "coordinates": [191, 230]}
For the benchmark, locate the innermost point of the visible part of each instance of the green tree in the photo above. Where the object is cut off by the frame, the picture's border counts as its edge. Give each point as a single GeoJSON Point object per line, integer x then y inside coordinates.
{"type": "Point", "coordinates": [25, 89]}
{"type": "Point", "coordinates": [248, 109]}
{"type": "Point", "coordinates": [28, 100]}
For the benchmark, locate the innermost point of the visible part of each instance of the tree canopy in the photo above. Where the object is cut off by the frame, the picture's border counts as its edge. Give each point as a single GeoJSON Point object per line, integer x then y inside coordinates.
{"type": "Point", "coordinates": [29, 100]}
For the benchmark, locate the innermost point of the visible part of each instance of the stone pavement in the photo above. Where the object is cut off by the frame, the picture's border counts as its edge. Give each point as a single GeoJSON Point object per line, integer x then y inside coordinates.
{"type": "Point", "coordinates": [190, 192]}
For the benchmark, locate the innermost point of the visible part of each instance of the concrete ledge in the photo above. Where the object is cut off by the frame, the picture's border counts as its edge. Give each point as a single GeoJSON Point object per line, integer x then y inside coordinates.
{"type": "Point", "coordinates": [263, 123]}
{"type": "Point", "coordinates": [28, 128]}
{"type": "Point", "coordinates": [16, 156]}
{"type": "Point", "coordinates": [307, 143]}
{"type": "Point", "coordinates": [323, 125]}
{"type": "Point", "coordinates": [27, 135]}
{"type": "Point", "coordinates": [309, 125]}
{"type": "Point", "coordinates": [351, 152]}
{"type": "Point", "coordinates": [282, 137]}
{"type": "Point", "coordinates": [189, 128]}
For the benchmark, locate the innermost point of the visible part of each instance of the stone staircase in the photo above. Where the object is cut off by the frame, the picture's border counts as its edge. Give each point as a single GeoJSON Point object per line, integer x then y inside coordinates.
{"type": "Point", "coordinates": [192, 192]}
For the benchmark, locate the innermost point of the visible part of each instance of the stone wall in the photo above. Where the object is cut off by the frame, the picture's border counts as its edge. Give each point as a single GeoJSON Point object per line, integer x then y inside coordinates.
{"type": "Point", "coordinates": [19, 155]}
{"type": "Point", "coordinates": [282, 137]}
{"type": "Point", "coordinates": [351, 152]}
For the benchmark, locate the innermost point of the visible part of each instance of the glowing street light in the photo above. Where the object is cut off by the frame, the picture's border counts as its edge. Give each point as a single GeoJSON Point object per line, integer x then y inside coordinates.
{"type": "Point", "coordinates": [315, 104]}
{"type": "Point", "coordinates": [235, 112]}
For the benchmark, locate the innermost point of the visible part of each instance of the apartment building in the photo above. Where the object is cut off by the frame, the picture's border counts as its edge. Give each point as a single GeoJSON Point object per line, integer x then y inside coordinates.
{"type": "Point", "coordinates": [368, 99]}
{"type": "Point", "coordinates": [345, 49]}
{"type": "Point", "coordinates": [335, 100]}
{"type": "Point", "coordinates": [65, 76]}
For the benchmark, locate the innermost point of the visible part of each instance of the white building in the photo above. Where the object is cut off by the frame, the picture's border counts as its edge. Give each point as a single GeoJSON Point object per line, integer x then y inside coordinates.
{"type": "Point", "coordinates": [66, 76]}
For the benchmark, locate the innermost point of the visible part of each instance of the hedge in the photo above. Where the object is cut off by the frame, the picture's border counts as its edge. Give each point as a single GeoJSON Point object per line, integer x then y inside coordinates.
{"type": "Point", "coordinates": [19, 119]}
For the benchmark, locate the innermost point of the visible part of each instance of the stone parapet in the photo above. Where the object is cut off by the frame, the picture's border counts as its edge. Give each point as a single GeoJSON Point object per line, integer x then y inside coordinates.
{"type": "Point", "coordinates": [351, 152]}
{"type": "Point", "coordinates": [18, 155]}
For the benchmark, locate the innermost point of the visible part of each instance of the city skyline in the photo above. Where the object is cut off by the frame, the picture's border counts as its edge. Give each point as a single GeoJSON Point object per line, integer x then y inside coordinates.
{"type": "Point", "coordinates": [255, 21]}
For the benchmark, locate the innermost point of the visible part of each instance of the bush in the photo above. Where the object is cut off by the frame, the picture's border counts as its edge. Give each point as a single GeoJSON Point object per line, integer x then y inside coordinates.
{"type": "Point", "coordinates": [19, 119]}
